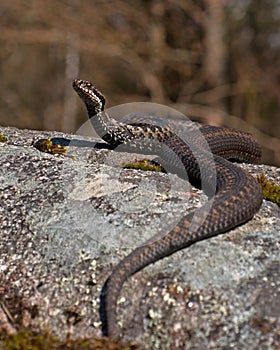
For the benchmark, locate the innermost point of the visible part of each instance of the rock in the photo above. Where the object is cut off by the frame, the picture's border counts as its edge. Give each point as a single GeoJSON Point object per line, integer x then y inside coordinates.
{"type": "Point", "coordinates": [67, 220]}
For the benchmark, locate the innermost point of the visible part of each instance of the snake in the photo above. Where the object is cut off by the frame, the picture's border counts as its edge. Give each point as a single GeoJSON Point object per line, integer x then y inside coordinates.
{"type": "Point", "coordinates": [234, 196]}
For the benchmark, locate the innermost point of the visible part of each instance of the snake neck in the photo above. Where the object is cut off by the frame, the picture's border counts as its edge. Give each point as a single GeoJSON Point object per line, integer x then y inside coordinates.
{"type": "Point", "coordinates": [107, 128]}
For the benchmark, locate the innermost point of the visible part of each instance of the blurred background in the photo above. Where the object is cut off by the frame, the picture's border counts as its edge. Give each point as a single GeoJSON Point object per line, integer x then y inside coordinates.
{"type": "Point", "coordinates": [217, 61]}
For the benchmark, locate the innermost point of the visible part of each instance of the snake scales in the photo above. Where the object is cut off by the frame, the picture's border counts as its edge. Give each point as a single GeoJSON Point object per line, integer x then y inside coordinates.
{"type": "Point", "coordinates": [236, 195]}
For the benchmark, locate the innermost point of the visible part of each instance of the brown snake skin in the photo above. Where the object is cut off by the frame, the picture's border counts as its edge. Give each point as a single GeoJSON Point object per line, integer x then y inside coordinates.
{"type": "Point", "coordinates": [235, 196]}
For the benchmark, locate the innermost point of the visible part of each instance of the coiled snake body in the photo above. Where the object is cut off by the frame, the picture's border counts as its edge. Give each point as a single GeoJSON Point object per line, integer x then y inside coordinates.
{"type": "Point", "coordinates": [235, 195]}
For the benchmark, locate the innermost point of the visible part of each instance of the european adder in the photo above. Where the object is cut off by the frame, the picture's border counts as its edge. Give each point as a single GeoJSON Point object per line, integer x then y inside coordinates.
{"type": "Point", "coordinates": [234, 195]}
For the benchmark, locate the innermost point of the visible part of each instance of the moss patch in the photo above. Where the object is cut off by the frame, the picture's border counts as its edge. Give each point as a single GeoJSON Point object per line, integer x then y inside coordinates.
{"type": "Point", "coordinates": [3, 138]}
{"type": "Point", "coordinates": [24, 340]}
{"type": "Point", "coordinates": [271, 191]}
{"type": "Point", "coordinates": [145, 165]}
{"type": "Point", "coordinates": [49, 147]}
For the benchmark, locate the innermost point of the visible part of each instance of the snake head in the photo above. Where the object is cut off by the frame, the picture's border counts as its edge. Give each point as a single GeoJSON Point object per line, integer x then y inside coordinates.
{"type": "Point", "coordinates": [93, 99]}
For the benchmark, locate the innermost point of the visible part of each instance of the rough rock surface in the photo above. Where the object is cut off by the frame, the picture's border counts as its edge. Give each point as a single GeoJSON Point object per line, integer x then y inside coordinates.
{"type": "Point", "coordinates": [67, 220]}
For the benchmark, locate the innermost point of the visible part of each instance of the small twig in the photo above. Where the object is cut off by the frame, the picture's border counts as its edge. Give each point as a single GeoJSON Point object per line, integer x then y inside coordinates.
{"type": "Point", "coordinates": [6, 320]}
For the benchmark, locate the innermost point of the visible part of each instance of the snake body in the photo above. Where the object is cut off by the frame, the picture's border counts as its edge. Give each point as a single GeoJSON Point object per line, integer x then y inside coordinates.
{"type": "Point", "coordinates": [235, 196]}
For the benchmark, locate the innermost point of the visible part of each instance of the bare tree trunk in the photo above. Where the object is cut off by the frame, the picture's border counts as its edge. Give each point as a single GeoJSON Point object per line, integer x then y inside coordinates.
{"type": "Point", "coordinates": [156, 39]}
{"type": "Point", "coordinates": [215, 52]}
{"type": "Point", "coordinates": [72, 64]}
